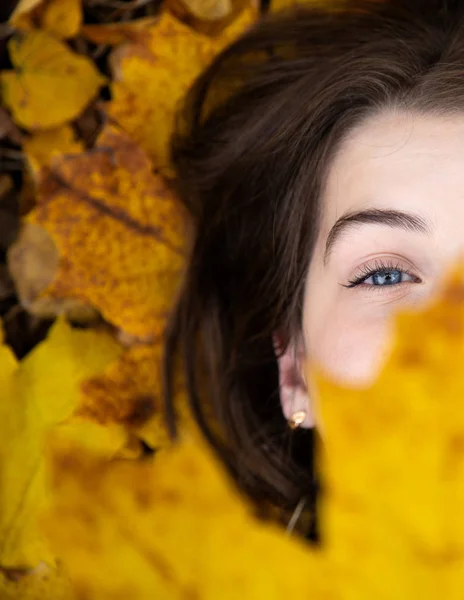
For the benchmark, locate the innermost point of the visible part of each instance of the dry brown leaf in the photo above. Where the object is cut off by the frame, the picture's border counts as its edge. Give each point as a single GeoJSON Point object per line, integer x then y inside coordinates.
{"type": "Point", "coordinates": [119, 33]}
{"type": "Point", "coordinates": [210, 17]}
{"type": "Point", "coordinates": [61, 18]}
{"type": "Point", "coordinates": [209, 10]}
{"type": "Point", "coordinates": [33, 261]}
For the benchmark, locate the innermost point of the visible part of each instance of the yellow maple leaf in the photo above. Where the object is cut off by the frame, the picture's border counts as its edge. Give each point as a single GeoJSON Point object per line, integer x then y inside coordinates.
{"type": "Point", "coordinates": [150, 78]}
{"type": "Point", "coordinates": [38, 393]}
{"type": "Point", "coordinates": [119, 232]}
{"type": "Point", "coordinates": [50, 84]}
{"type": "Point", "coordinates": [169, 528]}
{"type": "Point", "coordinates": [40, 147]}
{"type": "Point", "coordinates": [61, 18]}
{"type": "Point", "coordinates": [393, 464]}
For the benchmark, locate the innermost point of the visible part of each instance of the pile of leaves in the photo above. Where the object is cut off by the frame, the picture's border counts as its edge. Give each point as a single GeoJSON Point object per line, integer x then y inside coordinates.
{"type": "Point", "coordinates": [95, 502]}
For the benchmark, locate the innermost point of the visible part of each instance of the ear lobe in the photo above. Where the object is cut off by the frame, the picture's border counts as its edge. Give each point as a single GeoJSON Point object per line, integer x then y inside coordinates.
{"type": "Point", "coordinates": [293, 390]}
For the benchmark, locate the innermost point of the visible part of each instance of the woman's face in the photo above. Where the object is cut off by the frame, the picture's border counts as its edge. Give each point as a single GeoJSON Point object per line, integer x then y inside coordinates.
{"type": "Point", "coordinates": [392, 224]}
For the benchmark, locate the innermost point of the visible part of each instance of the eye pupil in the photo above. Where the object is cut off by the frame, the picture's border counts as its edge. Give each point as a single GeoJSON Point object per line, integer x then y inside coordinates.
{"type": "Point", "coordinates": [387, 277]}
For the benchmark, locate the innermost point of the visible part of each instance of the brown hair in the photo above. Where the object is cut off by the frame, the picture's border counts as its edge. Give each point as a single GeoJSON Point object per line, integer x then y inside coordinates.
{"type": "Point", "coordinates": [251, 151]}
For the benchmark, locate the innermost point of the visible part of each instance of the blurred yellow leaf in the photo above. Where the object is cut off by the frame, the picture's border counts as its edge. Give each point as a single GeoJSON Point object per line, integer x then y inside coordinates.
{"type": "Point", "coordinates": [43, 145]}
{"type": "Point", "coordinates": [119, 233]}
{"type": "Point", "coordinates": [40, 583]}
{"type": "Point", "coordinates": [50, 84]}
{"type": "Point", "coordinates": [150, 78]}
{"type": "Point", "coordinates": [37, 394]}
{"type": "Point", "coordinates": [61, 18]}
{"type": "Point", "coordinates": [393, 465]}
{"type": "Point", "coordinates": [171, 528]}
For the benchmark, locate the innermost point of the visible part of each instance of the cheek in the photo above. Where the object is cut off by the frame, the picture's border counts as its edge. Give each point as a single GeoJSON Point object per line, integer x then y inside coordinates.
{"type": "Point", "coordinates": [347, 343]}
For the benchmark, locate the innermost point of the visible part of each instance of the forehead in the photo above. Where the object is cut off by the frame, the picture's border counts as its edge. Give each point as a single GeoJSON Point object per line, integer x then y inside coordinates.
{"type": "Point", "coordinates": [398, 160]}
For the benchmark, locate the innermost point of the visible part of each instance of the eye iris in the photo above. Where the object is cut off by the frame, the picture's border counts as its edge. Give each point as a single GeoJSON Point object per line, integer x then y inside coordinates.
{"type": "Point", "coordinates": [387, 277]}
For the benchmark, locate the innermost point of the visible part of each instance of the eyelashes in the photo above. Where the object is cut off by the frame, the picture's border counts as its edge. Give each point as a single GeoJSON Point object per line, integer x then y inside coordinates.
{"type": "Point", "coordinates": [378, 267]}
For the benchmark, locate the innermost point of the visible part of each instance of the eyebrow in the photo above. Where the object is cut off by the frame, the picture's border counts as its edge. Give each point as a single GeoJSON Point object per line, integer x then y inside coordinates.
{"type": "Point", "coordinates": [376, 216]}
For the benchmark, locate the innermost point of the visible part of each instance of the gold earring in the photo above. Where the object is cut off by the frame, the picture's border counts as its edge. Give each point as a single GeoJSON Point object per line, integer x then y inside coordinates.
{"type": "Point", "coordinates": [296, 419]}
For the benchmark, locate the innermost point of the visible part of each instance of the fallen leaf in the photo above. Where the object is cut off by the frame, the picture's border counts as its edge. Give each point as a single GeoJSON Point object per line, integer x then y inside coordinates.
{"type": "Point", "coordinates": [208, 10]}
{"type": "Point", "coordinates": [45, 71]}
{"type": "Point", "coordinates": [38, 393]}
{"type": "Point", "coordinates": [43, 145]}
{"type": "Point", "coordinates": [33, 260]}
{"type": "Point", "coordinates": [169, 528]}
{"type": "Point", "coordinates": [129, 393]}
{"type": "Point", "coordinates": [40, 583]}
{"type": "Point", "coordinates": [162, 68]}
{"type": "Point", "coordinates": [118, 33]}
{"type": "Point", "coordinates": [119, 232]}
{"type": "Point", "coordinates": [61, 18]}
{"type": "Point", "coordinates": [393, 464]}
{"type": "Point", "coordinates": [212, 17]}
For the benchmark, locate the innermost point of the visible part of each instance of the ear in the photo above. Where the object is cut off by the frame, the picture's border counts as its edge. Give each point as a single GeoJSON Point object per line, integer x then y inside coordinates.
{"type": "Point", "coordinates": [294, 394]}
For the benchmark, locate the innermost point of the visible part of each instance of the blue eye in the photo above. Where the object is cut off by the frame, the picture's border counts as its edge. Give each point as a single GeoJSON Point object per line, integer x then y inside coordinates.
{"type": "Point", "coordinates": [382, 275]}
{"type": "Point", "coordinates": [388, 278]}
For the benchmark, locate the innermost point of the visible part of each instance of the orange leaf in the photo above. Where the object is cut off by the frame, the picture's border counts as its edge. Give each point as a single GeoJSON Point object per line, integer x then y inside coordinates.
{"type": "Point", "coordinates": [119, 233]}
{"type": "Point", "coordinates": [128, 392]}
